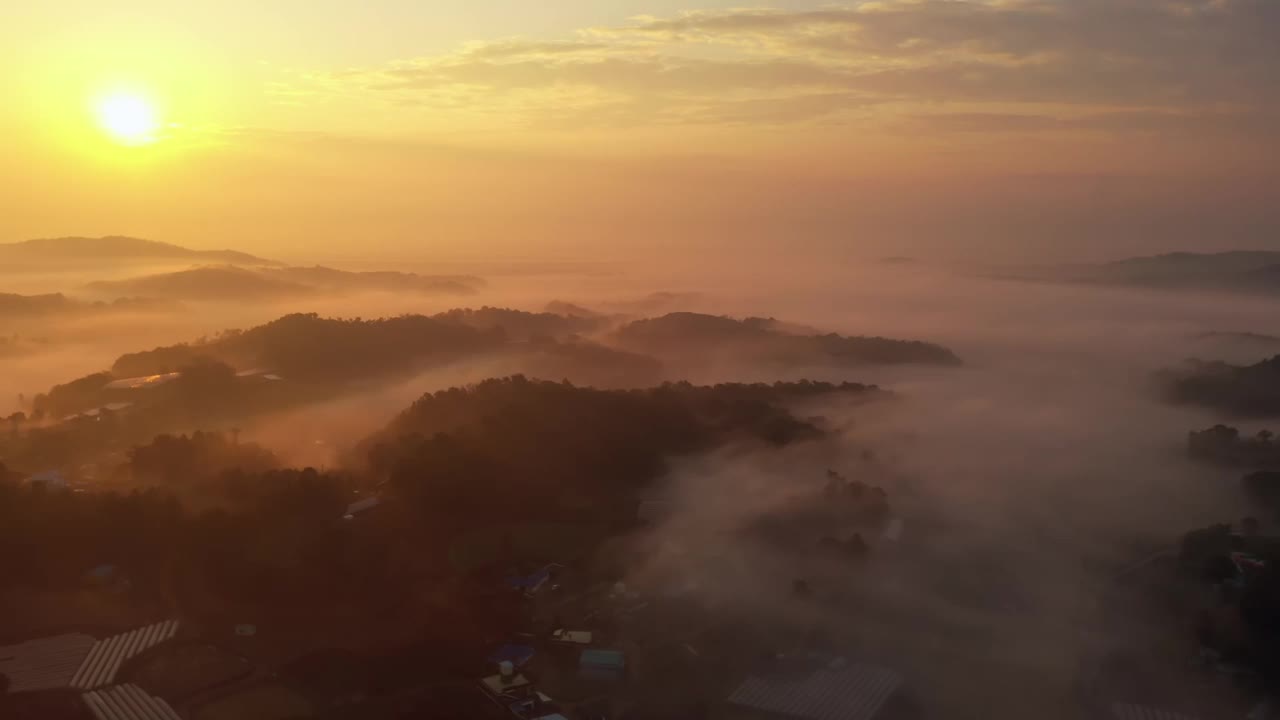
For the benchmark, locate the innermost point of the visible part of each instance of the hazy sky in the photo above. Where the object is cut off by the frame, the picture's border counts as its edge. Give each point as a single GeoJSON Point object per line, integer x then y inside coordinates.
{"type": "Point", "coordinates": [966, 128]}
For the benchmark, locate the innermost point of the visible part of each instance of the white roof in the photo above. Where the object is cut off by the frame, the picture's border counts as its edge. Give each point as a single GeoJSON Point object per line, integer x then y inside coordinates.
{"type": "Point", "coordinates": [853, 692]}
{"type": "Point", "coordinates": [44, 664]}
{"type": "Point", "coordinates": [127, 702]}
{"type": "Point", "coordinates": [360, 506]}
{"type": "Point", "coordinates": [106, 656]}
{"type": "Point", "coordinates": [580, 637]}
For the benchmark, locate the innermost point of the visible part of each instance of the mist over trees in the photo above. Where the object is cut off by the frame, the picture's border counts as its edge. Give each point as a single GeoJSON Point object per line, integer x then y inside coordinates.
{"type": "Point", "coordinates": [1250, 390]}
{"type": "Point", "coordinates": [212, 523]}
{"type": "Point", "coordinates": [768, 341]}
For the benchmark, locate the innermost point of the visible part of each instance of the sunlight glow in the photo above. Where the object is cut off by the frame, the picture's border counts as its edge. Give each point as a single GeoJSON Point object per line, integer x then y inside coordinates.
{"type": "Point", "coordinates": [128, 119]}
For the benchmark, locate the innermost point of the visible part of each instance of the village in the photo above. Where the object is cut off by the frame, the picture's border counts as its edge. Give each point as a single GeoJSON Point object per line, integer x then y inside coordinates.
{"type": "Point", "coordinates": [556, 641]}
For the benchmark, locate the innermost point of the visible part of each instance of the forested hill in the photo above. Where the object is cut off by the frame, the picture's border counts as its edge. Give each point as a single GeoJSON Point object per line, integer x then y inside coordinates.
{"type": "Point", "coordinates": [522, 444]}
{"type": "Point", "coordinates": [116, 248]}
{"type": "Point", "coordinates": [765, 339]}
{"type": "Point", "coordinates": [1250, 390]}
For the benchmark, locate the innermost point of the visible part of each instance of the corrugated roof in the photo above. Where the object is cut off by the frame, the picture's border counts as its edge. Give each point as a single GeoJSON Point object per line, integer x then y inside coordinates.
{"type": "Point", "coordinates": [856, 692]}
{"type": "Point", "coordinates": [127, 702]}
{"type": "Point", "coordinates": [44, 664]}
{"type": "Point", "coordinates": [1129, 711]}
{"type": "Point", "coordinates": [106, 657]}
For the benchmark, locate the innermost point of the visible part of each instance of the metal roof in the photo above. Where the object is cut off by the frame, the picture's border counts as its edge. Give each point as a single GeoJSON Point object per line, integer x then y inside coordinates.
{"type": "Point", "coordinates": [104, 660]}
{"type": "Point", "coordinates": [1129, 711]}
{"type": "Point", "coordinates": [44, 664]}
{"type": "Point", "coordinates": [127, 702]}
{"type": "Point", "coordinates": [360, 506]}
{"type": "Point", "coordinates": [610, 659]}
{"type": "Point", "coordinates": [854, 692]}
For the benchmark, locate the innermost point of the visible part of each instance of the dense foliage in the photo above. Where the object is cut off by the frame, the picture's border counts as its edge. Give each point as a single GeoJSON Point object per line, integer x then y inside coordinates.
{"type": "Point", "coordinates": [1252, 390]}
{"type": "Point", "coordinates": [510, 447]}
{"type": "Point", "coordinates": [174, 460]}
{"type": "Point", "coordinates": [1225, 445]}
{"type": "Point", "coordinates": [766, 340]}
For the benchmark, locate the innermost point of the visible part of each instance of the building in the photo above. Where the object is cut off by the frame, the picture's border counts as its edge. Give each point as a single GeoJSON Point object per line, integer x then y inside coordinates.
{"type": "Point", "coordinates": [602, 664]}
{"type": "Point", "coordinates": [77, 661]}
{"type": "Point", "coordinates": [361, 506]}
{"type": "Point", "coordinates": [837, 691]}
{"type": "Point", "coordinates": [127, 702]}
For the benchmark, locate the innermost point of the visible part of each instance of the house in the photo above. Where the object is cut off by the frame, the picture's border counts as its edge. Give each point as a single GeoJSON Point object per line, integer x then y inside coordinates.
{"type": "Point", "coordinates": [361, 506]}
{"type": "Point", "coordinates": [572, 637]}
{"type": "Point", "coordinates": [75, 660]}
{"type": "Point", "coordinates": [258, 375]}
{"type": "Point", "coordinates": [530, 584]}
{"type": "Point", "coordinates": [602, 664]}
{"type": "Point", "coordinates": [106, 656]}
{"type": "Point", "coordinates": [837, 691]}
{"type": "Point", "coordinates": [50, 479]}
{"type": "Point", "coordinates": [127, 702]}
{"type": "Point", "coordinates": [517, 655]}
{"type": "Point", "coordinates": [508, 683]}
{"type": "Point", "coordinates": [46, 663]}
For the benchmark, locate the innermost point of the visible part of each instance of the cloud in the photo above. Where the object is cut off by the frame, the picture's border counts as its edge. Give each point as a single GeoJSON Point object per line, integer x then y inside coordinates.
{"type": "Point", "coordinates": [1119, 58]}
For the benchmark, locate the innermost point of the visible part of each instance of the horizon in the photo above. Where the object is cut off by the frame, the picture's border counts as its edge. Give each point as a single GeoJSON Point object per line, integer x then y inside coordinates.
{"type": "Point", "coordinates": [972, 129]}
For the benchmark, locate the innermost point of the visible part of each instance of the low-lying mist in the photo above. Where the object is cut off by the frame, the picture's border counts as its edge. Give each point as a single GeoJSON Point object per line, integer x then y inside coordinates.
{"type": "Point", "coordinates": [1023, 479]}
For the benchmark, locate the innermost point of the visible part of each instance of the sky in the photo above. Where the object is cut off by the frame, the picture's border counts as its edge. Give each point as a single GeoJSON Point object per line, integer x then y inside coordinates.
{"type": "Point", "coordinates": [962, 129]}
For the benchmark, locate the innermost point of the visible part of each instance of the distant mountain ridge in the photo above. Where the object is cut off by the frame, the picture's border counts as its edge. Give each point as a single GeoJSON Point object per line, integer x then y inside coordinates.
{"type": "Point", "coordinates": [119, 247]}
{"type": "Point", "coordinates": [1252, 271]}
{"type": "Point", "coordinates": [220, 282]}
{"type": "Point", "coordinates": [57, 304]}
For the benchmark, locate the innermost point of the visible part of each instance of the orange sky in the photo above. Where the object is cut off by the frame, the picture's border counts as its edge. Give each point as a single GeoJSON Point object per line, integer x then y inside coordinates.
{"type": "Point", "coordinates": [968, 128]}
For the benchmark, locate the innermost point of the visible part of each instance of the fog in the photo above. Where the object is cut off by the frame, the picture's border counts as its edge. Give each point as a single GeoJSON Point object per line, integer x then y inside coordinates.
{"type": "Point", "coordinates": [1024, 480]}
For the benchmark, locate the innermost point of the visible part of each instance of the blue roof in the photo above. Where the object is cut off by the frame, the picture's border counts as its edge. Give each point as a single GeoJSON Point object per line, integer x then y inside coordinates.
{"type": "Point", "coordinates": [608, 659]}
{"type": "Point", "coordinates": [517, 655]}
{"type": "Point", "coordinates": [529, 582]}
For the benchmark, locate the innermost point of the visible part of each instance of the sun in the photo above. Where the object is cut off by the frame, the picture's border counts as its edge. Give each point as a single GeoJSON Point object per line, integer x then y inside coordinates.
{"type": "Point", "coordinates": [128, 119]}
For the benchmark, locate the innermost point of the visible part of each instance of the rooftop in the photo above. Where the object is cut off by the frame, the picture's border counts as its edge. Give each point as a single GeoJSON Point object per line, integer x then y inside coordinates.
{"type": "Point", "coordinates": [835, 692]}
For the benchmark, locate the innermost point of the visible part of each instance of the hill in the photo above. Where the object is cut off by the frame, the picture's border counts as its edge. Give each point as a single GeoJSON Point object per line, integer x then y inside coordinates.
{"type": "Point", "coordinates": [1252, 271]}
{"type": "Point", "coordinates": [232, 282]}
{"type": "Point", "coordinates": [205, 283]}
{"type": "Point", "coordinates": [514, 447]}
{"type": "Point", "coordinates": [767, 340]}
{"type": "Point", "coordinates": [1246, 390]}
{"type": "Point", "coordinates": [14, 306]}
{"type": "Point", "coordinates": [116, 248]}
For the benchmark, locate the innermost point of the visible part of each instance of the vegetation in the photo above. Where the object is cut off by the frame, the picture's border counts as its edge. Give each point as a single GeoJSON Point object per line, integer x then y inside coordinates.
{"type": "Point", "coordinates": [1244, 569]}
{"type": "Point", "coordinates": [265, 283]}
{"type": "Point", "coordinates": [1225, 445]}
{"type": "Point", "coordinates": [511, 448]}
{"type": "Point", "coordinates": [211, 524]}
{"type": "Point", "coordinates": [765, 339]}
{"type": "Point", "coordinates": [1252, 390]}
{"type": "Point", "coordinates": [520, 325]}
